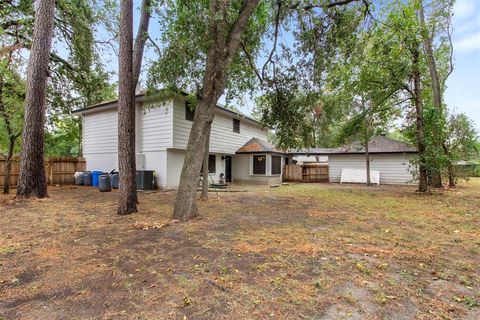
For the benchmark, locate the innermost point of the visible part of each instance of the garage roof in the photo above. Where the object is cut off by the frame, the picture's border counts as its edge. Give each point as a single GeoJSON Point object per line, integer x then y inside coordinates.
{"type": "Point", "coordinates": [378, 144]}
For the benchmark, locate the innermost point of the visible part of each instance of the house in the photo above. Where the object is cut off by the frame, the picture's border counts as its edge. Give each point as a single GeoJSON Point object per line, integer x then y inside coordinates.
{"type": "Point", "coordinates": [162, 130]}
{"type": "Point", "coordinates": [391, 158]}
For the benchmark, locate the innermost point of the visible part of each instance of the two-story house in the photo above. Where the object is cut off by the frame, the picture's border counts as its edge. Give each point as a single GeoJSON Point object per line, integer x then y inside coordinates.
{"type": "Point", "coordinates": [238, 148]}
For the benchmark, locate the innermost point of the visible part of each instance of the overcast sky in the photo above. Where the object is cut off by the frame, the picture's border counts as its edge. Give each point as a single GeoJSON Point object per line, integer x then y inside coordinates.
{"type": "Point", "coordinates": [463, 90]}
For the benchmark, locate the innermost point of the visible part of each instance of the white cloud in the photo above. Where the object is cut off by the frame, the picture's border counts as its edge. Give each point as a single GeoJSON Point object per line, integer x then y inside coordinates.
{"type": "Point", "coordinates": [465, 8]}
{"type": "Point", "coordinates": [467, 43]}
{"type": "Point", "coordinates": [465, 26]}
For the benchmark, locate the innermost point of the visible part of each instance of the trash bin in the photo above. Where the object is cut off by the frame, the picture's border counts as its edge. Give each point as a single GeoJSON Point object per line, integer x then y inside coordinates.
{"type": "Point", "coordinates": [95, 175]}
{"type": "Point", "coordinates": [114, 180]}
{"type": "Point", "coordinates": [87, 178]}
{"type": "Point", "coordinates": [78, 178]}
{"type": "Point", "coordinates": [104, 184]}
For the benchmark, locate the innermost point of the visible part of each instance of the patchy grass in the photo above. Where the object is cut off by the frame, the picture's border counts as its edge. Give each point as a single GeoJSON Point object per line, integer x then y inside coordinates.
{"type": "Point", "coordinates": [306, 251]}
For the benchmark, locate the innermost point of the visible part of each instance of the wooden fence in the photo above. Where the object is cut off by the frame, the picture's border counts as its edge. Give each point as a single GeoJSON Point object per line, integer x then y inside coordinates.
{"type": "Point", "coordinates": [306, 173]}
{"type": "Point", "coordinates": [58, 170]}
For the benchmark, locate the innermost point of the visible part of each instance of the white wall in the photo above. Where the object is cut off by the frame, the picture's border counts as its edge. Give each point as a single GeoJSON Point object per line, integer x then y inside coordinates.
{"type": "Point", "coordinates": [157, 161]}
{"type": "Point", "coordinates": [156, 126]}
{"type": "Point", "coordinates": [222, 137]}
{"type": "Point", "coordinates": [393, 168]}
{"type": "Point", "coordinates": [175, 159]}
{"type": "Point", "coordinates": [100, 139]}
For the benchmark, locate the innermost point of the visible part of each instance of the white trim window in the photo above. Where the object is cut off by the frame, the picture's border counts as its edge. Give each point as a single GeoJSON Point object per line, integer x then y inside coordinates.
{"type": "Point", "coordinates": [276, 165]}
{"type": "Point", "coordinates": [259, 164]}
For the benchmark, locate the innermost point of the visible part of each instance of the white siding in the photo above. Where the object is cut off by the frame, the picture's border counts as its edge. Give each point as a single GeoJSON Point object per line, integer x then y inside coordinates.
{"type": "Point", "coordinates": [156, 127]}
{"type": "Point", "coordinates": [100, 134]}
{"type": "Point", "coordinates": [393, 168]}
{"type": "Point", "coordinates": [222, 137]}
{"type": "Point", "coordinates": [100, 138]}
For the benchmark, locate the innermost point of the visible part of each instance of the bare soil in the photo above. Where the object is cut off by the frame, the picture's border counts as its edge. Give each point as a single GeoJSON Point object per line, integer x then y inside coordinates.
{"type": "Point", "coordinates": [306, 251]}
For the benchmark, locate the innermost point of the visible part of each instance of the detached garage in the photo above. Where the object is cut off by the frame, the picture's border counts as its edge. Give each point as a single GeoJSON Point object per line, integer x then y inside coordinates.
{"type": "Point", "coordinates": [390, 158]}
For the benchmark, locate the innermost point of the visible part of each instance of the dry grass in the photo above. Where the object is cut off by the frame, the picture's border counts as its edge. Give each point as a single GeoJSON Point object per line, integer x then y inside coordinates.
{"type": "Point", "coordinates": [307, 251]}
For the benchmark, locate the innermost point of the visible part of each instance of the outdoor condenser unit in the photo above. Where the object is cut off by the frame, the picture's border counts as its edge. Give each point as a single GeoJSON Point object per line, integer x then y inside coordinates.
{"type": "Point", "coordinates": [144, 180]}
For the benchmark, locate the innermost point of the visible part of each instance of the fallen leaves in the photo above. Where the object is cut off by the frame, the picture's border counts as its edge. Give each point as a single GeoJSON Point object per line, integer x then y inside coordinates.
{"type": "Point", "coordinates": [142, 225]}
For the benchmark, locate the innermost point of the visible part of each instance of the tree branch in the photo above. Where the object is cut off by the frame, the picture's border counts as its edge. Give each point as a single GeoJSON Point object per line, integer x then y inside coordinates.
{"type": "Point", "coordinates": [234, 35]}
{"type": "Point", "coordinates": [251, 62]}
{"type": "Point", "coordinates": [275, 38]}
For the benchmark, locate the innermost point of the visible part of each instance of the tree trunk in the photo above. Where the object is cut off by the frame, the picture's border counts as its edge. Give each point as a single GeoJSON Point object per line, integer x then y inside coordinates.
{"type": "Point", "coordinates": [126, 113]}
{"type": "Point", "coordinates": [142, 36]}
{"type": "Point", "coordinates": [436, 177]}
{"type": "Point", "coordinates": [367, 164]}
{"type": "Point", "coordinates": [205, 173]}
{"type": "Point", "coordinates": [32, 172]}
{"type": "Point", "coordinates": [8, 164]}
{"type": "Point", "coordinates": [451, 176]}
{"type": "Point", "coordinates": [185, 207]}
{"type": "Point", "coordinates": [219, 57]}
{"type": "Point", "coordinates": [423, 181]}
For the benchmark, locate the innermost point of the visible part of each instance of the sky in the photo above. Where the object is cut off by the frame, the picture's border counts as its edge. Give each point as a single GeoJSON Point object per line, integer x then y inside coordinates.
{"type": "Point", "coordinates": [463, 87]}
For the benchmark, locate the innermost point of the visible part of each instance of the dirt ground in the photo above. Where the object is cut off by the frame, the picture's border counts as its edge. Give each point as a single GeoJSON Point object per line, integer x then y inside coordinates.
{"type": "Point", "coordinates": [306, 251]}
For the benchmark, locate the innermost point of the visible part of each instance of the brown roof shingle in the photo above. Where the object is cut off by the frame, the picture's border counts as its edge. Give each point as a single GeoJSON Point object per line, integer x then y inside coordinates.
{"type": "Point", "coordinates": [256, 145]}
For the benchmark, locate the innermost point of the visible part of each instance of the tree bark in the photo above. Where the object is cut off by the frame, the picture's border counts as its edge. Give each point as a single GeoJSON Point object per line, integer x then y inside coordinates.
{"type": "Point", "coordinates": [420, 126]}
{"type": "Point", "coordinates": [205, 173]}
{"type": "Point", "coordinates": [451, 176]}
{"type": "Point", "coordinates": [436, 177]}
{"type": "Point", "coordinates": [367, 164]}
{"type": "Point", "coordinates": [219, 57]}
{"type": "Point", "coordinates": [32, 180]}
{"type": "Point", "coordinates": [126, 114]}
{"type": "Point", "coordinates": [140, 41]}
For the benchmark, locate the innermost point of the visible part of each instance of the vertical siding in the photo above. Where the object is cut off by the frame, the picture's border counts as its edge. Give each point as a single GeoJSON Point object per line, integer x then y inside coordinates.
{"type": "Point", "coordinates": [393, 168]}
{"type": "Point", "coordinates": [223, 139]}
{"type": "Point", "coordinates": [156, 127]}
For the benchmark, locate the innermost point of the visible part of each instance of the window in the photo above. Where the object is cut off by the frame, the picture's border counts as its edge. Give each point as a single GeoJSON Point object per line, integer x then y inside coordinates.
{"type": "Point", "coordinates": [189, 111]}
{"type": "Point", "coordinates": [259, 164]}
{"type": "Point", "coordinates": [236, 125]}
{"type": "Point", "coordinates": [276, 164]}
{"type": "Point", "coordinates": [212, 159]}
{"type": "Point", "coordinates": [286, 161]}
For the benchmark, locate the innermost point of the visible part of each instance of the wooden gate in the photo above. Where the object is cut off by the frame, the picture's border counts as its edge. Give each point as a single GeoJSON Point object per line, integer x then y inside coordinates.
{"type": "Point", "coordinates": [312, 172]}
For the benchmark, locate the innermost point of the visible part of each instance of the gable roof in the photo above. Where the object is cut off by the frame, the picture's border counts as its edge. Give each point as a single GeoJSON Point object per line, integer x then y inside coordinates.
{"type": "Point", "coordinates": [378, 144]}
{"type": "Point", "coordinates": [256, 145]}
{"type": "Point", "coordinates": [140, 97]}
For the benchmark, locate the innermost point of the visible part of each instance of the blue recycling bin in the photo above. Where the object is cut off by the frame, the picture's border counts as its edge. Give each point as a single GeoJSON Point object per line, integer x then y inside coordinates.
{"type": "Point", "coordinates": [95, 176]}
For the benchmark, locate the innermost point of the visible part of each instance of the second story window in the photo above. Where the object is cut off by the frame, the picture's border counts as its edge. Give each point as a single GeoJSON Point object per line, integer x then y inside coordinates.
{"type": "Point", "coordinates": [236, 125]}
{"type": "Point", "coordinates": [189, 112]}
